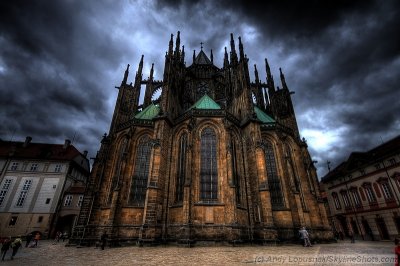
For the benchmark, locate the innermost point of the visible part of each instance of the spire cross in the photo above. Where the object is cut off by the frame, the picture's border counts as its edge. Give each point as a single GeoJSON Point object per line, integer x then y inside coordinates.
{"type": "Point", "coordinates": [201, 45]}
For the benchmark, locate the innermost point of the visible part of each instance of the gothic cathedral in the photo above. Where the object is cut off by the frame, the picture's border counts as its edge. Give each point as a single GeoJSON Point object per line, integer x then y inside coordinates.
{"type": "Point", "coordinates": [207, 156]}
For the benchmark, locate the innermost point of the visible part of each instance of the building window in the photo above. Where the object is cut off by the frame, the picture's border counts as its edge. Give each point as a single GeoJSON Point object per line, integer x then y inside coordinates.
{"type": "Point", "coordinates": [58, 168]}
{"type": "Point", "coordinates": [336, 201]}
{"type": "Point", "coordinates": [24, 192]}
{"type": "Point", "coordinates": [346, 199]}
{"type": "Point", "coordinates": [141, 171]}
{"type": "Point", "coordinates": [80, 200]}
{"type": "Point", "coordinates": [273, 179]}
{"type": "Point", "coordinates": [181, 168]}
{"type": "Point", "coordinates": [387, 192]}
{"type": "Point", "coordinates": [208, 167]}
{"type": "Point", "coordinates": [14, 166]}
{"type": "Point", "coordinates": [392, 161]}
{"type": "Point", "coordinates": [13, 221]}
{"type": "Point", "coordinates": [356, 197]}
{"type": "Point", "coordinates": [48, 200]}
{"type": "Point", "coordinates": [54, 186]}
{"type": "Point", "coordinates": [4, 190]}
{"type": "Point", "coordinates": [68, 200]}
{"type": "Point", "coordinates": [370, 193]}
{"type": "Point", "coordinates": [40, 219]}
{"type": "Point", "coordinates": [34, 167]}
{"type": "Point", "coordinates": [236, 169]}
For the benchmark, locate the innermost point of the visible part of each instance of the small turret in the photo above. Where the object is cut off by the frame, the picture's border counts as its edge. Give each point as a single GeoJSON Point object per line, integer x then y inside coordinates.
{"type": "Point", "coordinates": [183, 54]}
{"type": "Point", "coordinates": [212, 57]}
{"type": "Point", "coordinates": [138, 77]}
{"type": "Point", "coordinates": [233, 51]}
{"type": "Point", "coordinates": [241, 52]}
{"type": "Point", "coordinates": [226, 61]}
{"type": "Point", "coordinates": [194, 55]}
{"type": "Point", "coordinates": [284, 86]}
{"type": "Point", "coordinates": [177, 45]}
{"type": "Point", "coordinates": [125, 76]}
{"type": "Point", "coordinates": [171, 45]}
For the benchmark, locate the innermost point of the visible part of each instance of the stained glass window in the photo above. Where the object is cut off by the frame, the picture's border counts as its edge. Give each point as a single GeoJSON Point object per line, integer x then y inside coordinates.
{"type": "Point", "coordinates": [208, 168]}
{"type": "Point", "coordinates": [273, 179]}
{"type": "Point", "coordinates": [141, 171]}
{"type": "Point", "coordinates": [181, 169]}
{"type": "Point", "coordinates": [236, 170]}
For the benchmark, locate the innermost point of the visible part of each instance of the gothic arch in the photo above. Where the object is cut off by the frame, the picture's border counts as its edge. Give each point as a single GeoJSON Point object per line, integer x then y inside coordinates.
{"type": "Point", "coordinates": [274, 180]}
{"type": "Point", "coordinates": [120, 151]}
{"type": "Point", "coordinates": [141, 170]}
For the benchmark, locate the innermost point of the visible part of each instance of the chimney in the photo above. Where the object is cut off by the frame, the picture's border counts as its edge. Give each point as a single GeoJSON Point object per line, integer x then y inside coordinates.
{"type": "Point", "coordinates": [66, 144]}
{"type": "Point", "coordinates": [85, 153]}
{"type": "Point", "coordinates": [27, 141]}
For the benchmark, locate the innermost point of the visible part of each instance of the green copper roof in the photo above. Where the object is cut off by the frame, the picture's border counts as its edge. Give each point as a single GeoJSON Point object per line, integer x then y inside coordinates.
{"type": "Point", "coordinates": [263, 117]}
{"type": "Point", "coordinates": [205, 102]}
{"type": "Point", "coordinates": [149, 112]}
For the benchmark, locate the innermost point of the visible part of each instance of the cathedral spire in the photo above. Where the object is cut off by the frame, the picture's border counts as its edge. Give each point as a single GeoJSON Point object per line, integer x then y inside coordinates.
{"type": "Point", "coordinates": [241, 52]}
{"type": "Point", "coordinates": [183, 54]}
{"type": "Point", "coordinates": [226, 61]}
{"type": "Point", "coordinates": [171, 45]}
{"type": "Point", "coordinates": [152, 71]}
{"type": "Point", "coordinates": [256, 73]}
{"type": "Point", "coordinates": [283, 79]}
{"type": "Point", "coordinates": [138, 77]}
{"type": "Point", "coordinates": [177, 44]}
{"type": "Point", "coordinates": [194, 55]}
{"type": "Point", "coordinates": [125, 76]}
{"type": "Point", "coordinates": [233, 51]}
{"type": "Point", "coordinates": [270, 79]}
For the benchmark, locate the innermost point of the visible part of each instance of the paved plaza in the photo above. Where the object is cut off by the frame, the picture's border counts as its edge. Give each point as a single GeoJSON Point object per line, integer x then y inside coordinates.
{"type": "Point", "coordinates": [341, 253]}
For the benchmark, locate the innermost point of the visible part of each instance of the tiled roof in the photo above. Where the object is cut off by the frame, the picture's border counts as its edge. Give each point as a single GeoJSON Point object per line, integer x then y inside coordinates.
{"type": "Point", "coordinates": [149, 112]}
{"type": "Point", "coordinates": [37, 151]}
{"type": "Point", "coordinates": [205, 102]}
{"type": "Point", "coordinates": [263, 117]}
{"type": "Point", "coordinates": [202, 59]}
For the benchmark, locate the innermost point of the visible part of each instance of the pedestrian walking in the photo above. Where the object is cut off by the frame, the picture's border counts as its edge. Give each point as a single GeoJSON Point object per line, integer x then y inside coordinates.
{"type": "Point", "coordinates": [28, 239]}
{"type": "Point", "coordinates": [103, 240]}
{"type": "Point", "coordinates": [36, 239]}
{"type": "Point", "coordinates": [305, 236]}
{"type": "Point", "coordinates": [15, 245]}
{"type": "Point", "coordinates": [5, 247]}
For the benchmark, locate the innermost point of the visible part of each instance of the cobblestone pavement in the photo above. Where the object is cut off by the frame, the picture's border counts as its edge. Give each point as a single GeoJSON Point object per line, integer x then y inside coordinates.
{"type": "Point", "coordinates": [341, 253]}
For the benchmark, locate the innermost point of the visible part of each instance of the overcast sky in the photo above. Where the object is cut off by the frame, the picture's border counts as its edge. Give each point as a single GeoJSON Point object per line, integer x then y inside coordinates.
{"type": "Point", "coordinates": [60, 61]}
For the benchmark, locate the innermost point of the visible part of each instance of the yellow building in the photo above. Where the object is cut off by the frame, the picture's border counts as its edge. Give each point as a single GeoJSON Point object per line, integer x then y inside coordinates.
{"type": "Point", "coordinates": [33, 181]}
{"type": "Point", "coordinates": [207, 156]}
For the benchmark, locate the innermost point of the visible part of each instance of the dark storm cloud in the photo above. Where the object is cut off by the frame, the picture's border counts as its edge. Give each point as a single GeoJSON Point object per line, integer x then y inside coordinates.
{"type": "Point", "coordinates": [341, 57]}
{"type": "Point", "coordinates": [51, 75]}
{"type": "Point", "coordinates": [60, 61]}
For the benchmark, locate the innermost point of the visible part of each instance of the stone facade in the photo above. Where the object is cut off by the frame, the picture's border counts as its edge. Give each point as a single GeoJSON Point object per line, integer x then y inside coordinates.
{"type": "Point", "coordinates": [363, 193]}
{"type": "Point", "coordinates": [208, 156]}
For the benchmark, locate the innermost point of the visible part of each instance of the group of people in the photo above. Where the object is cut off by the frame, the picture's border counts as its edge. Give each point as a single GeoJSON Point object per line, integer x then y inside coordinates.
{"type": "Point", "coordinates": [13, 244]}
{"type": "Point", "coordinates": [60, 235]}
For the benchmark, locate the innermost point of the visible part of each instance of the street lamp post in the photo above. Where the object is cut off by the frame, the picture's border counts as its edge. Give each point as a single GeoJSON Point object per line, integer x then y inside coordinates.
{"type": "Point", "coordinates": [353, 206]}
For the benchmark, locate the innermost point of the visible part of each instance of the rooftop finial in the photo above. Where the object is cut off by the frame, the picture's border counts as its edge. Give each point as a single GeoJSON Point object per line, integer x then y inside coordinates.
{"type": "Point", "coordinates": [201, 46]}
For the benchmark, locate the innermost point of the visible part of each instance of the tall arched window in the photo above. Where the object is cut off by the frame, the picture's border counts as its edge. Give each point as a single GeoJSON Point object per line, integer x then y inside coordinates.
{"type": "Point", "coordinates": [141, 171]}
{"type": "Point", "coordinates": [181, 167]}
{"type": "Point", "coordinates": [118, 167]}
{"type": "Point", "coordinates": [273, 179]}
{"type": "Point", "coordinates": [208, 167]}
{"type": "Point", "coordinates": [236, 169]}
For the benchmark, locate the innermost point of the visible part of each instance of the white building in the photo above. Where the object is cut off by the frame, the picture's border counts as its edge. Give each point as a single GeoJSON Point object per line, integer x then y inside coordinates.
{"type": "Point", "coordinates": [364, 193]}
{"type": "Point", "coordinates": [33, 181]}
